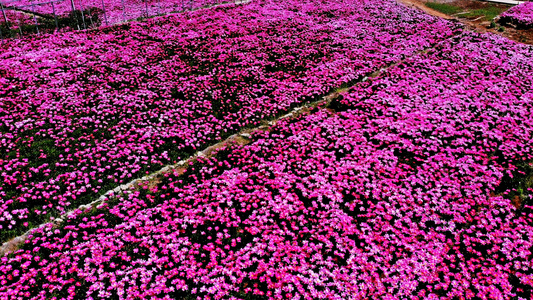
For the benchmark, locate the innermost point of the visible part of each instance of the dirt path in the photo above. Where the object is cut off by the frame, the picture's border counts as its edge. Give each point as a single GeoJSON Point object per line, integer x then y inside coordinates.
{"type": "Point", "coordinates": [478, 25]}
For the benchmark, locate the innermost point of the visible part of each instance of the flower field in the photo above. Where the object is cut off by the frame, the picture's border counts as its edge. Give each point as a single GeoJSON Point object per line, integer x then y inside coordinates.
{"type": "Point", "coordinates": [363, 201]}
{"type": "Point", "coordinates": [520, 15]}
{"type": "Point", "coordinates": [414, 184]}
{"type": "Point", "coordinates": [85, 112]}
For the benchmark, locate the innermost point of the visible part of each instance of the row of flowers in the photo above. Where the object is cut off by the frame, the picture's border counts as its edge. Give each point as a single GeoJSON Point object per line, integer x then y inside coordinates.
{"type": "Point", "coordinates": [83, 112]}
{"type": "Point", "coordinates": [400, 189]}
{"type": "Point", "coordinates": [16, 21]}
{"type": "Point", "coordinates": [520, 15]}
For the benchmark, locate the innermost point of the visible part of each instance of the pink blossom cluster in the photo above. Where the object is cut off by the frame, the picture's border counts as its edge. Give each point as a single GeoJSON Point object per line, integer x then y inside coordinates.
{"type": "Point", "coordinates": [520, 15]}
{"type": "Point", "coordinates": [111, 11]}
{"type": "Point", "coordinates": [83, 112]}
{"type": "Point", "coordinates": [398, 190]}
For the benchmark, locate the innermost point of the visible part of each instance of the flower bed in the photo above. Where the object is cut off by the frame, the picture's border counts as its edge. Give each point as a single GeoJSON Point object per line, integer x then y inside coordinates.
{"type": "Point", "coordinates": [404, 191]}
{"type": "Point", "coordinates": [83, 112]}
{"type": "Point", "coordinates": [520, 15]}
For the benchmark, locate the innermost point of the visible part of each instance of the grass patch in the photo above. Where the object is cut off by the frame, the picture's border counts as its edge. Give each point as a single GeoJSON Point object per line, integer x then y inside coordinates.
{"type": "Point", "coordinates": [443, 8]}
{"type": "Point", "coordinates": [488, 12]}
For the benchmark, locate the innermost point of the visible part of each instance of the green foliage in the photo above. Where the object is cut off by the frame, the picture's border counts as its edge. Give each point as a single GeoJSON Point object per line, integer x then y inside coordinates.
{"type": "Point", "coordinates": [488, 13]}
{"type": "Point", "coordinates": [518, 186]}
{"type": "Point", "coordinates": [443, 7]}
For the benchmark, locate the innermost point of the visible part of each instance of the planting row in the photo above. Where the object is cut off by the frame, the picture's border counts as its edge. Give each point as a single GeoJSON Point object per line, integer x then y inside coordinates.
{"type": "Point", "coordinates": [83, 112]}
{"type": "Point", "coordinates": [520, 15]}
{"type": "Point", "coordinates": [415, 187]}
